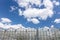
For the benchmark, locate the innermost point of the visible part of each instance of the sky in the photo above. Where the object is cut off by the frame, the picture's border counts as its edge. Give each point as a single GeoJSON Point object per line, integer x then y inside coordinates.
{"type": "Point", "coordinates": [29, 13]}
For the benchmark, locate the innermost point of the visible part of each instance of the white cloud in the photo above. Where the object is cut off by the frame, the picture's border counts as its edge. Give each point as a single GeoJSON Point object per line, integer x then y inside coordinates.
{"type": "Point", "coordinates": [56, 3]}
{"type": "Point", "coordinates": [1, 24]}
{"type": "Point", "coordinates": [46, 28]}
{"type": "Point", "coordinates": [13, 8]}
{"type": "Point", "coordinates": [9, 26]}
{"type": "Point", "coordinates": [35, 21]}
{"type": "Point", "coordinates": [40, 13]}
{"type": "Point", "coordinates": [13, 27]}
{"type": "Point", "coordinates": [57, 20]}
{"type": "Point", "coordinates": [25, 3]}
{"type": "Point", "coordinates": [18, 27]}
{"type": "Point", "coordinates": [52, 26]}
{"type": "Point", "coordinates": [31, 12]}
{"type": "Point", "coordinates": [20, 12]}
{"type": "Point", "coordinates": [48, 4]}
{"type": "Point", "coordinates": [6, 24]}
{"type": "Point", "coordinates": [5, 20]}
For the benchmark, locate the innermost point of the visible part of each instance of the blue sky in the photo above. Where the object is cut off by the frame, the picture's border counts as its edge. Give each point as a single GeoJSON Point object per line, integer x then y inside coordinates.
{"type": "Point", "coordinates": [5, 12]}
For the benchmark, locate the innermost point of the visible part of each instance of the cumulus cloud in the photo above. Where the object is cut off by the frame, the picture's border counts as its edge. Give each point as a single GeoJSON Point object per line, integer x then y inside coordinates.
{"type": "Point", "coordinates": [52, 26]}
{"type": "Point", "coordinates": [6, 24]}
{"type": "Point", "coordinates": [33, 20]}
{"type": "Point", "coordinates": [48, 4]}
{"type": "Point", "coordinates": [20, 26]}
{"type": "Point", "coordinates": [13, 8]}
{"type": "Point", "coordinates": [20, 12]}
{"type": "Point", "coordinates": [32, 12]}
{"type": "Point", "coordinates": [56, 3]}
{"type": "Point", "coordinates": [16, 26]}
{"type": "Point", "coordinates": [57, 20]}
{"type": "Point", "coordinates": [40, 13]}
{"type": "Point", "coordinates": [5, 20]}
{"type": "Point", "coordinates": [11, 27]}
{"type": "Point", "coordinates": [1, 24]}
{"type": "Point", "coordinates": [26, 3]}
{"type": "Point", "coordinates": [46, 28]}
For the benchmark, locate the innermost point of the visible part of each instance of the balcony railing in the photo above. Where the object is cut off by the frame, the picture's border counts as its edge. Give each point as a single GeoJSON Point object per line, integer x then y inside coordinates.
{"type": "Point", "coordinates": [30, 35]}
